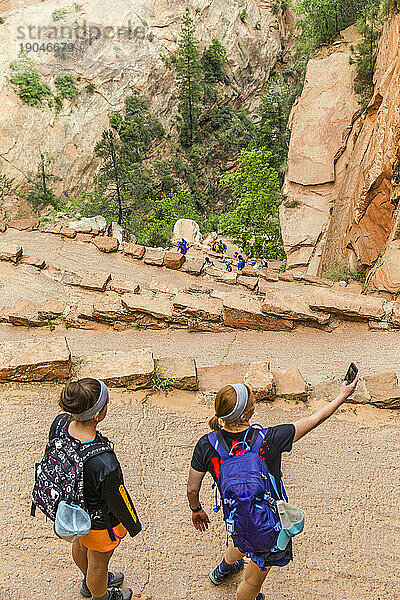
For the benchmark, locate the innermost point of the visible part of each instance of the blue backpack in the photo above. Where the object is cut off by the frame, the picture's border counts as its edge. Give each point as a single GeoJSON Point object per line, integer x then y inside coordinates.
{"type": "Point", "coordinates": [248, 494]}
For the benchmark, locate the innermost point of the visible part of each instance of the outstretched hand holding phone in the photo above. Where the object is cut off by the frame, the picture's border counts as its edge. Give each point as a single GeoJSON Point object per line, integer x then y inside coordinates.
{"type": "Point", "coordinates": [304, 426]}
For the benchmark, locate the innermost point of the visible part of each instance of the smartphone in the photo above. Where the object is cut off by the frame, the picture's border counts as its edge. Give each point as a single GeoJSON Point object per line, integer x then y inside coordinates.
{"type": "Point", "coordinates": [351, 373]}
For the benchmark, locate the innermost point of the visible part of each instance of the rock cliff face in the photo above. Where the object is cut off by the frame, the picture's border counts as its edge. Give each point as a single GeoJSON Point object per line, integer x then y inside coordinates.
{"type": "Point", "coordinates": [348, 164]}
{"type": "Point", "coordinates": [320, 123]}
{"type": "Point", "coordinates": [117, 63]}
{"type": "Point", "coordinates": [362, 218]}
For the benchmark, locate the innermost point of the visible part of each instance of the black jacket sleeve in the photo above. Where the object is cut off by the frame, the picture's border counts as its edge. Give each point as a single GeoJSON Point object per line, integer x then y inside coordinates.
{"type": "Point", "coordinates": [117, 499]}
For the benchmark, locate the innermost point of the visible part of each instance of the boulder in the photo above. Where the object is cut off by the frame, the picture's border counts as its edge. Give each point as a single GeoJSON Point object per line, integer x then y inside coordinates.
{"type": "Point", "coordinates": [193, 266]}
{"type": "Point", "coordinates": [68, 232]}
{"type": "Point", "coordinates": [90, 280]}
{"type": "Point", "coordinates": [328, 390]}
{"type": "Point", "coordinates": [386, 276]}
{"type": "Point", "coordinates": [51, 309]}
{"type": "Point", "coordinates": [119, 368]}
{"type": "Point", "coordinates": [268, 275]}
{"type": "Point", "coordinates": [286, 276]}
{"type": "Point", "coordinates": [26, 259]}
{"type": "Point", "coordinates": [396, 314]}
{"type": "Point", "coordinates": [174, 260]}
{"type": "Point", "coordinates": [314, 280]}
{"type": "Point", "coordinates": [154, 256]}
{"type": "Point", "coordinates": [3, 226]}
{"type": "Point", "coordinates": [86, 238]}
{"type": "Point", "coordinates": [187, 229]}
{"type": "Point", "coordinates": [182, 369]}
{"type": "Point", "coordinates": [106, 244]}
{"type": "Point", "coordinates": [246, 313]}
{"type": "Point", "coordinates": [46, 359]}
{"type": "Point", "coordinates": [133, 250]}
{"type": "Point", "coordinates": [258, 376]}
{"type": "Point", "coordinates": [24, 313]}
{"type": "Point", "coordinates": [24, 224]}
{"type": "Point", "coordinates": [83, 225]}
{"type": "Point", "coordinates": [52, 228]}
{"type": "Point", "coordinates": [290, 384]}
{"type": "Point", "coordinates": [116, 231]}
{"type": "Point", "coordinates": [347, 305]}
{"type": "Point", "coordinates": [156, 305]}
{"type": "Point", "coordinates": [124, 286]}
{"type": "Point", "coordinates": [198, 306]}
{"type": "Point", "coordinates": [107, 308]}
{"type": "Point", "coordinates": [384, 390]}
{"type": "Point", "coordinates": [292, 306]}
{"type": "Point", "coordinates": [10, 252]}
{"type": "Point", "coordinates": [249, 282]}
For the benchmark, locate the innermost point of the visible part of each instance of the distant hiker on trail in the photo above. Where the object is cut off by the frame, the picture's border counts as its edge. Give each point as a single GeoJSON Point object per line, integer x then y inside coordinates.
{"type": "Point", "coordinates": [241, 263]}
{"type": "Point", "coordinates": [79, 485]}
{"type": "Point", "coordinates": [264, 262]}
{"type": "Point", "coordinates": [208, 263]}
{"type": "Point", "coordinates": [257, 515]}
{"type": "Point", "coordinates": [228, 264]}
{"type": "Point", "coordinates": [183, 246]}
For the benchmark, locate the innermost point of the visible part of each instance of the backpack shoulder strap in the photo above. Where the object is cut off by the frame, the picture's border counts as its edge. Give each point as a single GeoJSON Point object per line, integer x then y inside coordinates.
{"type": "Point", "coordinates": [216, 444]}
{"type": "Point", "coordinates": [258, 440]}
{"type": "Point", "coordinates": [94, 449]}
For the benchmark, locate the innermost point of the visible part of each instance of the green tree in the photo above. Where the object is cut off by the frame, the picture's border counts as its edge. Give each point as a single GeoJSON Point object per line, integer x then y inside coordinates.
{"type": "Point", "coordinates": [276, 103]}
{"type": "Point", "coordinates": [155, 228]}
{"type": "Point", "coordinates": [188, 75]}
{"type": "Point", "coordinates": [324, 19]}
{"type": "Point", "coordinates": [123, 183]}
{"type": "Point", "coordinates": [364, 54]}
{"type": "Point", "coordinates": [253, 223]}
{"type": "Point", "coordinates": [213, 64]}
{"type": "Point", "coordinates": [40, 193]}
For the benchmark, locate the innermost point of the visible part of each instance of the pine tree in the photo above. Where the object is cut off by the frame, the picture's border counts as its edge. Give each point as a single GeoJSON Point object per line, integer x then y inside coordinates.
{"type": "Point", "coordinates": [213, 64]}
{"type": "Point", "coordinates": [112, 170]}
{"type": "Point", "coordinates": [188, 75]}
{"type": "Point", "coordinates": [364, 54]}
{"type": "Point", "coordinates": [40, 193]}
{"type": "Point", "coordinates": [275, 105]}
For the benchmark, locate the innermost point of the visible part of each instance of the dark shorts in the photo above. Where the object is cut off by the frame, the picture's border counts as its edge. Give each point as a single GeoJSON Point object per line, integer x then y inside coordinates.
{"type": "Point", "coordinates": [264, 560]}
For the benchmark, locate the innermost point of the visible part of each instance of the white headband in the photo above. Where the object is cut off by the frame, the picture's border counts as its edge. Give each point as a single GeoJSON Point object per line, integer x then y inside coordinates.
{"type": "Point", "coordinates": [97, 407]}
{"type": "Point", "coordinates": [242, 396]}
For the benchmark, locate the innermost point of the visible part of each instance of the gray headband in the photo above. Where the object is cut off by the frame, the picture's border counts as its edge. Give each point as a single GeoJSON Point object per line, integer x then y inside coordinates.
{"type": "Point", "coordinates": [97, 407]}
{"type": "Point", "coordinates": [242, 396]}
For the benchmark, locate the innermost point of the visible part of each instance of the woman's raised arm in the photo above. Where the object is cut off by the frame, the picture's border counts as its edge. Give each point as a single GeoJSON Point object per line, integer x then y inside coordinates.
{"type": "Point", "coordinates": [304, 426]}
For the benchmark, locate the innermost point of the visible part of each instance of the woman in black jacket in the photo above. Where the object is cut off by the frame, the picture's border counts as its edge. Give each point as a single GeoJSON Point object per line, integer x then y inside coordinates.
{"type": "Point", "coordinates": [107, 501]}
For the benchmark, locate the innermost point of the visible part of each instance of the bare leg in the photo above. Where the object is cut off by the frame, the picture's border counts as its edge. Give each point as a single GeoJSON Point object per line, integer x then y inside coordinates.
{"type": "Point", "coordinates": [97, 572]}
{"type": "Point", "coordinates": [79, 554]}
{"type": "Point", "coordinates": [252, 582]}
{"type": "Point", "coordinates": [232, 555]}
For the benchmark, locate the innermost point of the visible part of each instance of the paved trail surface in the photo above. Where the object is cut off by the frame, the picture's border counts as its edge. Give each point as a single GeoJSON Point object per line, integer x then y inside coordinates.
{"type": "Point", "coordinates": [343, 474]}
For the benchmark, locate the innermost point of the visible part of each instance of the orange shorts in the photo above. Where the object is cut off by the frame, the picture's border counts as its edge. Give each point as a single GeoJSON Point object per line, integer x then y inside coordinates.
{"type": "Point", "coordinates": [99, 539]}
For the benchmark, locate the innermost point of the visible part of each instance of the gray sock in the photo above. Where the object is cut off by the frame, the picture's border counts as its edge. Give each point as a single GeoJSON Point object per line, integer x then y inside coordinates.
{"type": "Point", "coordinates": [101, 597]}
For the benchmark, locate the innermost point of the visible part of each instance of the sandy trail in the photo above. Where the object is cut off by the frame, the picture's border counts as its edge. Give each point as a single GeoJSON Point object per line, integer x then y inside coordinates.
{"type": "Point", "coordinates": [344, 475]}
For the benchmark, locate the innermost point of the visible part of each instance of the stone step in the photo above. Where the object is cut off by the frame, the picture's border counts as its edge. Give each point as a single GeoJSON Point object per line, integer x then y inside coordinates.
{"type": "Point", "coordinates": [347, 305]}
{"type": "Point", "coordinates": [256, 375]}
{"type": "Point", "coordinates": [35, 360]}
{"type": "Point", "coordinates": [293, 306]}
{"type": "Point", "coordinates": [198, 306]}
{"type": "Point", "coordinates": [118, 368]}
{"type": "Point", "coordinates": [245, 313]}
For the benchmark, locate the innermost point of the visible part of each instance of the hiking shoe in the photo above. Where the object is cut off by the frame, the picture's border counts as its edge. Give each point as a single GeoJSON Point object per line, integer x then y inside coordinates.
{"type": "Point", "coordinates": [114, 580]}
{"type": "Point", "coordinates": [260, 597]}
{"type": "Point", "coordinates": [217, 577]}
{"type": "Point", "coordinates": [115, 594]}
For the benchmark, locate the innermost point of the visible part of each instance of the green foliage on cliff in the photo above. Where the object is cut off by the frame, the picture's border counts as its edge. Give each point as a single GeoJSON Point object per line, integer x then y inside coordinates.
{"type": "Point", "coordinates": [25, 77]}
{"type": "Point", "coordinates": [253, 222]}
{"type": "Point", "coordinates": [66, 86]}
{"type": "Point", "coordinates": [364, 54]}
{"type": "Point", "coordinates": [322, 21]}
